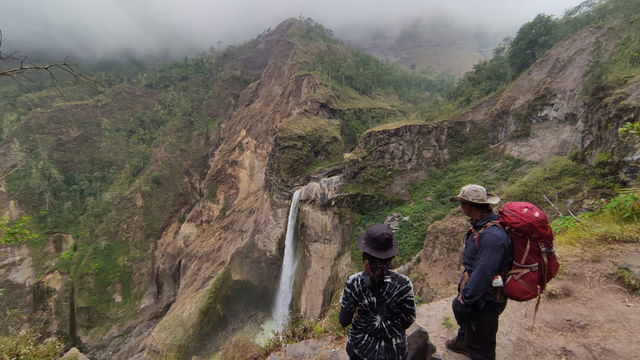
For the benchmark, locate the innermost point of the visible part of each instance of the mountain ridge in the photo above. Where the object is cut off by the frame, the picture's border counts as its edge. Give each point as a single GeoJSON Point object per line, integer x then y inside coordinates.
{"type": "Point", "coordinates": [186, 252]}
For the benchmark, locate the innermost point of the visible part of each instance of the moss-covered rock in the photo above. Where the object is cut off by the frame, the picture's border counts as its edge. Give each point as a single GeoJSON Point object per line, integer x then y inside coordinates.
{"type": "Point", "coordinates": [307, 143]}
{"type": "Point", "coordinates": [199, 323]}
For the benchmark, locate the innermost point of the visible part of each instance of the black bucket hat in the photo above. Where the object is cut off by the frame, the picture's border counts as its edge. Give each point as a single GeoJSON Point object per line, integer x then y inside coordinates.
{"type": "Point", "coordinates": [378, 241]}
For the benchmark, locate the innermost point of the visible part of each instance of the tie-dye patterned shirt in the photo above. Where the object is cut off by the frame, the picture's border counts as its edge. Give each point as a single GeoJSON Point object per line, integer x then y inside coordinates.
{"type": "Point", "coordinates": [371, 336]}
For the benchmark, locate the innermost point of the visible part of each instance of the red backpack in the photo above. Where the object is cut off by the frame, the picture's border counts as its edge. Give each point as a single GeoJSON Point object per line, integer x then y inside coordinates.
{"type": "Point", "coordinates": [534, 261]}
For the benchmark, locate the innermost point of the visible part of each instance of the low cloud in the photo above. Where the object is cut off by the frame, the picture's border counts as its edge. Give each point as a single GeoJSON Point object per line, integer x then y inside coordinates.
{"type": "Point", "coordinates": [109, 28]}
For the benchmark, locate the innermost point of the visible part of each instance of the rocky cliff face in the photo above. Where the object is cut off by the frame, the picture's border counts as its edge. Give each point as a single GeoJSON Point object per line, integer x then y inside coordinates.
{"type": "Point", "coordinates": [541, 115]}
{"type": "Point", "coordinates": [214, 265]}
{"type": "Point", "coordinates": [324, 234]}
{"type": "Point", "coordinates": [228, 250]}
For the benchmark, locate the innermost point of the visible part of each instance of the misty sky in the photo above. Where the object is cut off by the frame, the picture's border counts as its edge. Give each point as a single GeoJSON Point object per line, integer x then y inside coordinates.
{"type": "Point", "coordinates": [106, 28]}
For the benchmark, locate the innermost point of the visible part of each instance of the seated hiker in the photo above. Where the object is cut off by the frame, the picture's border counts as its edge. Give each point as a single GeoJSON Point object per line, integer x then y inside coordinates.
{"type": "Point", "coordinates": [383, 299]}
{"type": "Point", "coordinates": [487, 251]}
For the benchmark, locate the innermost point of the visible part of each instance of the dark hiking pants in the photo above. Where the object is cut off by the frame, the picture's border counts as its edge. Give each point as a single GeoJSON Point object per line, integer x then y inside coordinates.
{"type": "Point", "coordinates": [480, 330]}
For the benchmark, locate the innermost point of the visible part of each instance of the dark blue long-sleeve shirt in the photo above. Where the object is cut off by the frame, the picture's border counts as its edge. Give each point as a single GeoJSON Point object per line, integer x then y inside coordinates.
{"type": "Point", "coordinates": [492, 254]}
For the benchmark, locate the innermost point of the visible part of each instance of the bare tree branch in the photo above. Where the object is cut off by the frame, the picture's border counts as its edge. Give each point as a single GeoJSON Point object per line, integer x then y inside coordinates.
{"type": "Point", "coordinates": [10, 172]}
{"type": "Point", "coordinates": [19, 72]}
{"type": "Point", "coordinates": [575, 216]}
{"type": "Point", "coordinates": [553, 205]}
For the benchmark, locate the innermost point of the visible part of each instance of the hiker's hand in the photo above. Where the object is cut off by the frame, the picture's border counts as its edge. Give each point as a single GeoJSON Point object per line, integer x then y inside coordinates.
{"type": "Point", "coordinates": [461, 311]}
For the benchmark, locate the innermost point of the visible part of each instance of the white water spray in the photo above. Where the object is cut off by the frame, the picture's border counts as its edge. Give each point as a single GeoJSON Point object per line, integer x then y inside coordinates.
{"type": "Point", "coordinates": [289, 263]}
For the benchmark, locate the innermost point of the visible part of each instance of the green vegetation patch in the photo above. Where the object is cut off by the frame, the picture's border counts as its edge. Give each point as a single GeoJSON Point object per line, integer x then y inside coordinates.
{"type": "Point", "coordinates": [14, 232]}
{"type": "Point", "coordinates": [372, 182]}
{"type": "Point", "coordinates": [626, 205]}
{"type": "Point", "coordinates": [105, 292]}
{"type": "Point", "coordinates": [29, 344]}
{"type": "Point", "coordinates": [629, 280]}
{"type": "Point", "coordinates": [597, 230]}
{"type": "Point", "coordinates": [558, 176]}
{"type": "Point", "coordinates": [355, 121]}
{"type": "Point", "coordinates": [429, 201]}
{"type": "Point", "coordinates": [307, 143]}
{"type": "Point", "coordinates": [467, 144]}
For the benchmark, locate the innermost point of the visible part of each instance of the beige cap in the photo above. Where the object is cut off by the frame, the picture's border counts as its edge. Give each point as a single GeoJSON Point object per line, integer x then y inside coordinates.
{"type": "Point", "coordinates": [475, 194]}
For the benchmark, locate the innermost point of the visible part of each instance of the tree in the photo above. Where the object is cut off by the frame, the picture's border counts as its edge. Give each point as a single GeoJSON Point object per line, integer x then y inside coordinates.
{"type": "Point", "coordinates": [532, 41]}
{"type": "Point", "coordinates": [18, 68]}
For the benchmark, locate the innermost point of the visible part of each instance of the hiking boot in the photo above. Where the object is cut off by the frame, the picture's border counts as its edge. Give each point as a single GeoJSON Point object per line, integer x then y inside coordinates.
{"type": "Point", "coordinates": [457, 345]}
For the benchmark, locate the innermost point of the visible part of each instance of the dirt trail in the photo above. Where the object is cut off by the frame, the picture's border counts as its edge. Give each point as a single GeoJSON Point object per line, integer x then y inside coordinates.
{"type": "Point", "coordinates": [588, 315]}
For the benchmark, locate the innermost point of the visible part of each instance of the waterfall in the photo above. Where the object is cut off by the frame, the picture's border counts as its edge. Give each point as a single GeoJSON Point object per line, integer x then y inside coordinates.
{"type": "Point", "coordinates": [285, 287]}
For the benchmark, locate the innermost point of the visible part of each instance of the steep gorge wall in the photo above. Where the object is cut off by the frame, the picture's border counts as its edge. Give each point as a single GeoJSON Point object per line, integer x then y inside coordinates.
{"type": "Point", "coordinates": [214, 264]}
{"type": "Point", "coordinates": [324, 234]}
{"type": "Point", "coordinates": [541, 115]}
{"type": "Point", "coordinates": [230, 246]}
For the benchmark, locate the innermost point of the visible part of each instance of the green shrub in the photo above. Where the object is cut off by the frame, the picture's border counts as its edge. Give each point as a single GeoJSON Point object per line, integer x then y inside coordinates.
{"type": "Point", "coordinates": [563, 222]}
{"type": "Point", "coordinates": [626, 205]}
{"type": "Point", "coordinates": [630, 128]}
{"type": "Point", "coordinates": [271, 344]}
{"type": "Point", "coordinates": [557, 175]}
{"type": "Point", "coordinates": [12, 232]}
{"type": "Point", "coordinates": [29, 344]}
{"type": "Point", "coordinates": [156, 178]}
{"type": "Point", "coordinates": [296, 329]}
{"type": "Point", "coordinates": [67, 255]}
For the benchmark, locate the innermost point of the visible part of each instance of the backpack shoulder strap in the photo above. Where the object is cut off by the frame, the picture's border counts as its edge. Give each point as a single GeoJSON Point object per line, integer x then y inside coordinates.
{"type": "Point", "coordinates": [486, 226]}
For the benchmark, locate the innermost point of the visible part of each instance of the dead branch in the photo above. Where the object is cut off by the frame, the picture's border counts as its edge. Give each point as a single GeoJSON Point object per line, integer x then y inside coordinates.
{"type": "Point", "coordinates": [552, 204]}
{"type": "Point", "coordinates": [575, 216]}
{"type": "Point", "coordinates": [10, 172]}
{"type": "Point", "coordinates": [19, 73]}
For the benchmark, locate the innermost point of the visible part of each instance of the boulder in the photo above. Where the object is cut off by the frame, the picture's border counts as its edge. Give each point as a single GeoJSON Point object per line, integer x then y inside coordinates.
{"type": "Point", "coordinates": [74, 354]}
{"type": "Point", "coordinates": [308, 349]}
{"type": "Point", "coordinates": [633, 269]}
{"type": "Point", "coordinates": [419, 345]}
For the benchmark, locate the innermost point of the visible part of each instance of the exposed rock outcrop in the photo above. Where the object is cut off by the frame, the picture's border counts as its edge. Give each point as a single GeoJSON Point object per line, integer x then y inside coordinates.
{"type": "Point", "coordinates": [323, 237]}
{"type": "Point", "coordinates": [74, 354]}
{"type": "Point", "coordinates": [436, 269]}
{"type": "Point", "coordinates": [541, 115]}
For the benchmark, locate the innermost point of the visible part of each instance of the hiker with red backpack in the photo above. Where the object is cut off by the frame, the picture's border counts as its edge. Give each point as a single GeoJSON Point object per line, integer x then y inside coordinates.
{"type": "Point", "coordinates": [487, 252]}
{"type": "Point", "coordinates": [508, 255]}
